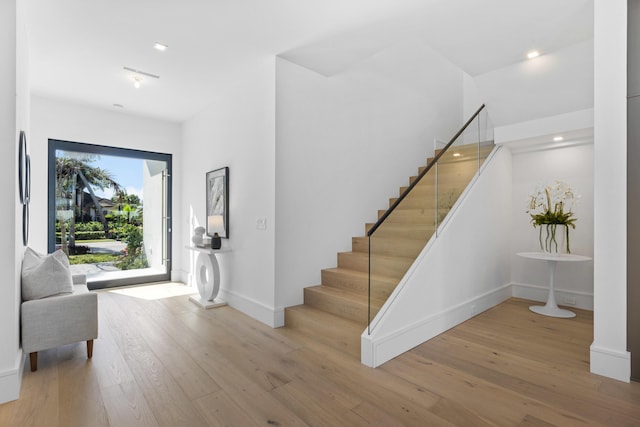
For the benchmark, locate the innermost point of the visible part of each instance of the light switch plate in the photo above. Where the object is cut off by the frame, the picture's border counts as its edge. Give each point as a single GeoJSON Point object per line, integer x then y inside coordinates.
{"type": "Point", "coordinates": [261, 223]}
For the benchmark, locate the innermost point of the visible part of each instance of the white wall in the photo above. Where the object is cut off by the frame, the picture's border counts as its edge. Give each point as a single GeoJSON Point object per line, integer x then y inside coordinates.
{"type": "Point", "coordinates": [237, 130]}
{"type": "Point", "coordinates": [574, 165]}
{"type": "Point", "coordinates": [609, 354]}
{"type": "Point", "coordinates": [554, 83]}
{"type": "Point", "coordinates": [14, 116]}
{"type": "Point", "coordinates": [72, 122]}
{"type": "Point", "coordinates": [462, 272]}
{"type": "Point", "coordinates": [344, 146]}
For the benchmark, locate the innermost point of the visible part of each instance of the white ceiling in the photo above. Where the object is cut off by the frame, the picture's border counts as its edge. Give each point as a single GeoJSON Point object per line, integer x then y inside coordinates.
{"type": "Point", "coordinates": [78, 48]}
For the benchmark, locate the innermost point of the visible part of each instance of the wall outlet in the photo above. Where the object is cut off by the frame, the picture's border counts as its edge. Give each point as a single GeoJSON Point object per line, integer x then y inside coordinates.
{"type": "Point", "coordinates": [261, 223]}
{"type": "Point", "coordinates": [569, 300]}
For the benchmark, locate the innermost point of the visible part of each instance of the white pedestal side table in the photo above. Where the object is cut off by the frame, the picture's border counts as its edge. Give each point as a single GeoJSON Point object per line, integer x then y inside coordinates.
{"type": "Point", "coordinates": [207, 274]}
{"type": "Point", "coordinates": [551, 307]}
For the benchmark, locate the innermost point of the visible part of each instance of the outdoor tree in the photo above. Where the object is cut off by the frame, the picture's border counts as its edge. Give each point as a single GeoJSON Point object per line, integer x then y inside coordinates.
{"type": "Point", "coordinates": [73, 176]}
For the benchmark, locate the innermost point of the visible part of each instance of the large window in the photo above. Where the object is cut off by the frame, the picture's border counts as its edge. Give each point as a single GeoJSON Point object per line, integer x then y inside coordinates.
{"type": "Point", "coordinates": [110, 211]}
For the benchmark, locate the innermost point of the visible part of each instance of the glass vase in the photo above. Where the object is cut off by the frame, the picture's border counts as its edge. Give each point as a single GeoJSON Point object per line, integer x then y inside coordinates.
{"type": "Point", "coordinates": [554, 239]}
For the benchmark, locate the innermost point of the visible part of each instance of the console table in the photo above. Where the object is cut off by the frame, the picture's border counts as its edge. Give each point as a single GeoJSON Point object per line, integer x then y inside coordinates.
{"type": "Point", "coordinates": [551, 307]}
{"type": "Point", "coordinates": [207, 274]}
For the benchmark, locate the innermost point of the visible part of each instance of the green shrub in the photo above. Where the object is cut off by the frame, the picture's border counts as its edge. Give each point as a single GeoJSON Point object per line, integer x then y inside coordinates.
{"type": "Point", "coordinates": [83, 235]}
{"type": "Point", "coordinates": [92, 258]}
{"type": "Point", "coordinates": [132, 261]}
{"type": "Point", "coordinates": [89, 226]}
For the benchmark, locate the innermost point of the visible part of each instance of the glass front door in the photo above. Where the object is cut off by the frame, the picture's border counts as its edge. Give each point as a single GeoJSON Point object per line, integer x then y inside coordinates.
{"type": "Point", "coordinates": [110, 211]}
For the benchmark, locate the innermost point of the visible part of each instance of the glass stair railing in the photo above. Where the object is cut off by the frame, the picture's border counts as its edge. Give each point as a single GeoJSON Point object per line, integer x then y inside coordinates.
{"type": "Point", "coordinates": [403, 230]}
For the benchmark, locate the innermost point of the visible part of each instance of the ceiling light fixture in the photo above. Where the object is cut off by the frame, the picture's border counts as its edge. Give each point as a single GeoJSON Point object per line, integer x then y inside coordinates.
{"type": "Point", "coordinates": [144, 73]}
{"type": "Point", "coordinates": [557, 138]}
{"type": "Point", "coordinates": [118, 105]}
{"type": "Point", "coordinates": [533, 54]}
{"type": "Point", "coordinates": [159, 46]}
{"type": "Point", "coordinates": [136, 81]}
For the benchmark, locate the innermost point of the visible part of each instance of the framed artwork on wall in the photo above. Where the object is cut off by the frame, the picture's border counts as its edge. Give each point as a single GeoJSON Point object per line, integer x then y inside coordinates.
{"type": "Point", "coordinates": [218, 202]}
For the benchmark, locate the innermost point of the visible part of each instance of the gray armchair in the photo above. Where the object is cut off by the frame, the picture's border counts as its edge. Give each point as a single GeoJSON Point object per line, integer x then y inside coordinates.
{"type": "Point", "coordinates": [60, 319]}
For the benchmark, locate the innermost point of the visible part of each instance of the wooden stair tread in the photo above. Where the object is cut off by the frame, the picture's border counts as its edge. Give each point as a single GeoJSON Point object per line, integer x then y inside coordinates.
{"type": "Point", "coordinates": [365, 256]}
{"type": "Point", "coordinates": [352, 297]}
{"type": "Point", "coordinates": [384, 265]}
{"type": "Point", "coordinates": [360, 274]}
{"type": "Point", "coordinates": [343, 303]}
{"type": "Point", "coordinates": [322, 317]}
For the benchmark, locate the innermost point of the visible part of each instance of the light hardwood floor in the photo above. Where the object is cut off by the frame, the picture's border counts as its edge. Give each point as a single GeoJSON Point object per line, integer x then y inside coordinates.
{"type": "Point", "coordinates": [166, 362]}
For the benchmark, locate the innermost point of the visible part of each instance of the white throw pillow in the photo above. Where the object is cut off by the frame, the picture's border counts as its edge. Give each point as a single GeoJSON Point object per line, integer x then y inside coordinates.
{"type": "Point", "coordinates": [45, 275]}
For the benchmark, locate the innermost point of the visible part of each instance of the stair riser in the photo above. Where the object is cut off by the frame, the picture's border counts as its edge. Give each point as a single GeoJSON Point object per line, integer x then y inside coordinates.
{"type": "Point", "coordinates": [412, 216]}
{"type": "Point", "coordinates": [449, 176]}
{"type": "Point", "coordinates": [394, 267]}
{"type": "Point", "coordinates": [467, 150]}
{"type": "Point", "coordinates": [416, 201]}
{"type": "Point", "coordinates": [346, 309]}
{"type": "Point", "coordinates": [420, 232]}
{"type": "Point", "coordinates": [445, 198]}
{"type": "Point", "coordinates": [379, 289]}
{"type": "Point", "coordinates": [347, 341]}
{"type": "Point", "coordinates": [424, 189]}
{"type": "Point", "coordinates": [393, 247]}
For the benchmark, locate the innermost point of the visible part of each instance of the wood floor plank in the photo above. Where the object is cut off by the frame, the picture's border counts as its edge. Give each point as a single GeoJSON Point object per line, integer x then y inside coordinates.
{"type": "Point", "coordinates": [79, 393]}
{"type": "Point", "coordinates": [42, 407]}
{"type": "Point", "coordinates": [167, 362]}
{"type": "Point", "coordinates": [111, 368]}
{"type": "Point", "coordinates": [127, 407]}
{"type": "Point", "coordinates": [262, 407]}
{"type": "Point", "coordinates": [313, 412]}
{"type": "Point", "coordinates": [219, 410]}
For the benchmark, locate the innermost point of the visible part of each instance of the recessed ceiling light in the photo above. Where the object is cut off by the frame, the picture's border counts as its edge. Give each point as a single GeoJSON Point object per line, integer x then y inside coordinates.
{"type": "Point", "coordinates": [557, 138]}
{"type": "Point", "coordinates": [533, 54]}
{"type": "Point", "coordinates": [136, 81]}
{"type": "Point", "coordinates": [159, 46]}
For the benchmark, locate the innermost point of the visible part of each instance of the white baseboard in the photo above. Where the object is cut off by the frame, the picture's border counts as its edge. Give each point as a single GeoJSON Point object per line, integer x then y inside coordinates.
{"type": "Point", "coordinates": [11, 380]}
{"type": "Point", "coordinates": [377, 350]}
{"type": "Point", "coordinates": [180, 276]}
{"type": "Point", "coordinates": [564, 297]}
{"type": "Point", "coordinates": [611, 363]}
{"type": "Point", "coordinates": [273, 317]}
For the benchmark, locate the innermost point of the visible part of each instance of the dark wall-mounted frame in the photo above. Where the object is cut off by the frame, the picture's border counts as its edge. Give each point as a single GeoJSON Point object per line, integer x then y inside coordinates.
{"type": "Point", "coordinates": [24, 180]}
{"type": "Point", "coordinates": [218, 202]}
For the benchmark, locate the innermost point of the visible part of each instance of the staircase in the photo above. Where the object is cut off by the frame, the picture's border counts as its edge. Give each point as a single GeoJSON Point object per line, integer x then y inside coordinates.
{"type": "Point", "coordinates": [336, 311]}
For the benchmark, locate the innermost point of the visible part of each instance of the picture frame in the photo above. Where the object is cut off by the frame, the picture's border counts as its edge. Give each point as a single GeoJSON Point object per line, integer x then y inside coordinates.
{"type": "Point", "coordinates": [217, 215]}
{"type": "Point", "coordinates": [23, 168]}
{"type": "Point", "coordinates": [24, 183]}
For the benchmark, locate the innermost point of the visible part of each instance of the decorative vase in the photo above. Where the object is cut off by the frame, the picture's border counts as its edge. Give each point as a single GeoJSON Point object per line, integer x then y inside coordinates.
{"type": "Point", "coordinates": [198, 232]}
{"type": "Point", "coordinates": [554, 239]}
{"type": "Point", "coordinates": [216, 241]}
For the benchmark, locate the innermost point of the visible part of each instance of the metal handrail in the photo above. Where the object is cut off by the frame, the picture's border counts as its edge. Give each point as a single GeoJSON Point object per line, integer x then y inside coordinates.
{"type": "Point", "coordinates": [422, 174]}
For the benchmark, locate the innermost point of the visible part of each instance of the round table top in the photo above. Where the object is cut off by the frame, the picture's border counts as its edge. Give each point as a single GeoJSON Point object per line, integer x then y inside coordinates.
{"type": "Point", "coordinates": [553, 257]}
